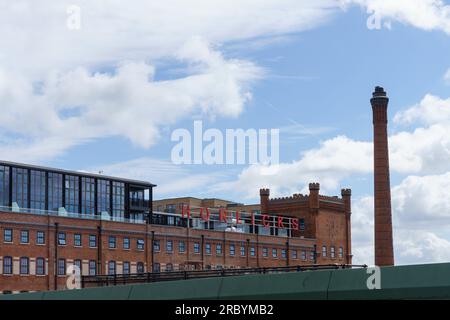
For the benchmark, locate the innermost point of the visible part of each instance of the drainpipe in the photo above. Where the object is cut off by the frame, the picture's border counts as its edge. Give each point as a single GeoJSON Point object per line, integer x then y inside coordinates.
{"type": "Point", "coordinates": [203, 251]}
{"type": "Point", "coordinates": [248, 253]}
{"type": "Point", "coordinates": [153, 250]}
{"type": "Point", "coordinates": [56, 256]}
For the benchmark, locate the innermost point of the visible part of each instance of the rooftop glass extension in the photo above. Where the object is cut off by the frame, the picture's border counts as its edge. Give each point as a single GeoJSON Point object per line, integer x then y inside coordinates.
{"type": "Point", "coordinates": [28, 188]}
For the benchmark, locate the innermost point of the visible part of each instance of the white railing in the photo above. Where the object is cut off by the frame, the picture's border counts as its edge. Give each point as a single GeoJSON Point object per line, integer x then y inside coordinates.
{"type": "Point", "coordinates": [63, 213]}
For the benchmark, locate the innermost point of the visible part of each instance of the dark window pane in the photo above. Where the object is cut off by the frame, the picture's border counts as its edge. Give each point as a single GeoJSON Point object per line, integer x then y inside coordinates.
{"type": "Point", "coordinates": [20, 187]}
{"type": "Point", "coordinates": [72, 194]}
{"type": "Point", "coordinates": [37, 190]}
{"type": "Point", "coordinates": [55, 190]}
{"type": "Point", "coordinates": [4, 186]}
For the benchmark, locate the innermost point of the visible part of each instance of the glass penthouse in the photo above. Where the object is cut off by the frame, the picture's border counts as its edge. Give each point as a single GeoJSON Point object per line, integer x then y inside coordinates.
{"type": "Point", "coordinates": [35, 189]}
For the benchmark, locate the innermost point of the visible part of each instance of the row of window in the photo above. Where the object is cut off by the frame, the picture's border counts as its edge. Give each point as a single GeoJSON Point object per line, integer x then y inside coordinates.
{"type": "Point", "coordinates": [30, 187]}
{"type": "Point", "coordinates": [232, 250]}
{"type": "Point", "coordinates": [24, 266]}
{"type": "Point", "coordinates": [126, 244]}
{"type": "Point", "coordinates": [332, 252]}
{"type": "Point", "coordinates": [77, 239]}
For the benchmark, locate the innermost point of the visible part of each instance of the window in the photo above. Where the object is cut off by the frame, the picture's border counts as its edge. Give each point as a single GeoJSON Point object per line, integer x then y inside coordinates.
{"type": "Point", "coordinates": [8, 235]}
{"type": "Point", "coordinates": [169, 267]}
{"type": "Point", "coordinates": [274, 253]}
{"type": "Point", "coordinates": [341, 252]}
{"type": "Point", "coordinates": [301, 224]}
{"type": "Point", "coordinates": [92, 267]}
{"type": "Point", "coordinates": [77, 263]}
{"type": "Point", "coordinates": [20, 187]}
{"type": "Point", "coordinates": [232, 250]}
{"type": "Point", "coordinates": [40, 266]}
{"type": "Point", "coordinates": [181, 246]}
{"type": "Point", "coordinates": [37, 189]}
{"type": "Point", "coordinates": [140, 244]}
{"type": "Point", "coordinates": [303, 255]}
{"type": "Point", "coordinates": [126, 267]}
{"type": "Point", "coordinates": [294, 254]}
{"type": "Point", "coordinates": [218, 249]}
{"type": "Point", "coordinates": [40, 237]}
{"type": "Point", "coordinates": [283, 253]}
{"type": "Point", "coordinates": [112, 242]}
{"type": "Point", "coordinates": [252, 251]}
{"type": "Point", "coordinates": [156, 267]}
{"type": "Point", "coordinates": [7, 265]}
{"type": "Point", "coordinates": [4, 186]}
{"type": "Point", "coordinates": [171, 208]}
{"type": "Point", "coordinates": [208, 248]}
{"type": "Point", "coordinates": [118, 195]}
{"type": "Point", "coordinates": [169, 245]}
{"type": "Point", "coordinates": [61, 267]}
{"type": "Point", "coordinates": [55, 191]}
{"type": "Point", "coordinates": [332, 252]}
{"type": "Point", "coordinates": [111, 267]}
{"type": "Point", "coordinates": [196, 247]}
{"type": "Point", "coordinates": [24, 265]}
{"type": "Point", "coordinates": [312, 255]}
{"type": "Point", "coordinates": [62, 238]}
{"type": "Point", "coordinates": [265, 252]}
{"type": "Point", "coordinates": [104, 196]}
{"type": "Point", "coordinates": [140, 267]}
{"type": "Point", "coordinates": [72, 194]}
{"type": "Point", "coordinates": [156, 245]}
{"type": "Point", "coordinates": [77, 240]}
{"type": "Point", "coordinates": [126, 243]}
{"type": "Point", "coordinates": [88, 195]}
{"type": "Point", "coordinates": [24, 236]}
{"type": "Point", "coordinates": [324, 251]}
{"type": "Point", "coordinates": [242, 251]}
{"type": "Point", "coordinates": [92, 241]}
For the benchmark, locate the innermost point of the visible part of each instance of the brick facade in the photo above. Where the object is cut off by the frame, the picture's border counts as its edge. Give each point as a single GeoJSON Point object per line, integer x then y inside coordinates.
{"type": "Point", "coordinates": [174, 248]}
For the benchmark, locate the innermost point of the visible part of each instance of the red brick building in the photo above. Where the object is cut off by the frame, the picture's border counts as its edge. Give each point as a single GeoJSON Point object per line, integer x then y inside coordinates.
{"type": "Point", "coordinates": [51, 219]}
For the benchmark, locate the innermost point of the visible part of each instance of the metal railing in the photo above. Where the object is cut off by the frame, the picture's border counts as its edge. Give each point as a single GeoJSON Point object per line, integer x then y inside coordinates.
{"type": "Point", "coordinates": [103, 217]}
{"type": "Point", "coordinates": [122, 279]}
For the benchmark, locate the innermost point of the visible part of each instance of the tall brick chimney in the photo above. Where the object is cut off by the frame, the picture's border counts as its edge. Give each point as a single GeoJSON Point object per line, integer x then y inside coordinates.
{"type": "Point", "coordinates": [384, 251]}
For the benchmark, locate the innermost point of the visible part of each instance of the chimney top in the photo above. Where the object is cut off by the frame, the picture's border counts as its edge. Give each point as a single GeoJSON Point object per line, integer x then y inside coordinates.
{"type": "Point", "coordinates": [379, 92]}
{"type": "Point", "coordinates": [346, 192]}
{"type": "Point", "coordinates": [314, 186]}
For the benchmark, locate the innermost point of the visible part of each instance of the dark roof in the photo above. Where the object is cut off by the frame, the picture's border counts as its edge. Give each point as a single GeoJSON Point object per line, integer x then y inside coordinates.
{"type": "Point", "coordinates": [76, 173]}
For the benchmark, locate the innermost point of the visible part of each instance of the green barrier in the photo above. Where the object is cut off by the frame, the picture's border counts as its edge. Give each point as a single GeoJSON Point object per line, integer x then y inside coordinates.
{"type": "Point", "coordinates": [430, 281]}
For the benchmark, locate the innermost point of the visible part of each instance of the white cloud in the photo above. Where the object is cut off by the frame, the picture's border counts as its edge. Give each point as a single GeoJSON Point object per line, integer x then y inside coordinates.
{"type": "Point", "coordinates": [60, 88]}
{"type": "Point", "coordinates": [423, 14]}
{"type": "Point", "coordinates": [431, 110]}
{"type": "Point", "coordinates": [139, 30]}
{"type": "Point", "coordinates": [421, 220]}
{"type": "Point", "coordinates": [75, 106]}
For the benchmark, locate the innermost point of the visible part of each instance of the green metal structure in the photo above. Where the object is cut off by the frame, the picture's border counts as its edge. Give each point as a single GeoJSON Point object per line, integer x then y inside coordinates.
{"type": "Point", "coordinates": [430, 281]}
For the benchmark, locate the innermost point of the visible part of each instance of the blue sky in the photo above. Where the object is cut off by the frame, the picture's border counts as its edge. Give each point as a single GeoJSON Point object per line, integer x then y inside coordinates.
{"type": "Point", "coordinates": [107, 96]}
